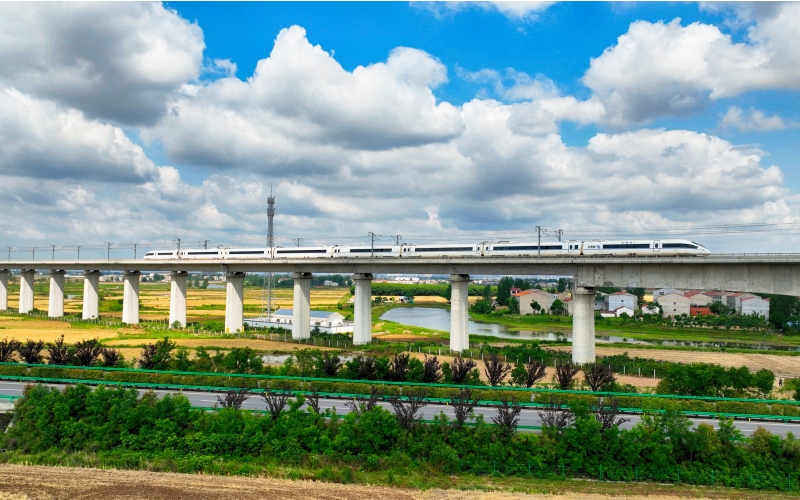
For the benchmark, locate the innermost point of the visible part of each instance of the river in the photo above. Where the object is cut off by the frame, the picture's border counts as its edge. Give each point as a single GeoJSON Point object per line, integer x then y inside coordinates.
{"type": "Point", "coordinates": [439, 319]}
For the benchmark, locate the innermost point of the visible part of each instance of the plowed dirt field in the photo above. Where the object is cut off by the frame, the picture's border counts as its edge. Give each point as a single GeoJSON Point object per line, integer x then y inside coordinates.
{"type": "Point", "coordinates": [19, 482]}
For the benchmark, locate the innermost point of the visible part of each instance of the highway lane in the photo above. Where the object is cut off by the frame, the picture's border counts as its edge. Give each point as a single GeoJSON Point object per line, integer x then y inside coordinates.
{"type": "Point", "coordinates": [528, 417]}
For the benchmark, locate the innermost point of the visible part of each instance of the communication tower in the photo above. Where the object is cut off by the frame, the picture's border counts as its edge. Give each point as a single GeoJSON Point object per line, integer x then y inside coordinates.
{"type": "Point", "coordinates": [270, 244]}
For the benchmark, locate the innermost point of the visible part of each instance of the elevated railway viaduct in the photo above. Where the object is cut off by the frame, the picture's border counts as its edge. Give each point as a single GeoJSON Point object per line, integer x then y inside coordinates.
{"type": "Point", "coordinates": [764, 273]}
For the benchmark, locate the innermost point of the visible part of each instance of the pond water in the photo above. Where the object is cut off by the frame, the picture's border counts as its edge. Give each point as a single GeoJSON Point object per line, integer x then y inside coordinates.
{"type": "Point", "coordinates": [439, 319]}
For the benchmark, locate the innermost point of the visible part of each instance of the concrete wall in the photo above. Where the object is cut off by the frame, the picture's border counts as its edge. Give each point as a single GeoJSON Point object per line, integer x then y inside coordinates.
{"type": "Point", "coordinates": [673, 304]}
{"type": "Point", "coordinates": [626, 300]}
{"type": "Point", "coordinates": [755, 305]}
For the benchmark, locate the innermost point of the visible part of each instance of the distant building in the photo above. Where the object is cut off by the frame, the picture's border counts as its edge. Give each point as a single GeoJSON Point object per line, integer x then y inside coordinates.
{"type": "Point", "coordinates": [621, 299]}
{"type": "Point", "coordinates": [528, 297]}
{"type": "Point", "coordinates": [608, 314]}
{"type": "Point", "coordinates": [329, 322]}
{"type": "Point", "coordinates": [651, 309]}
{"type": "Point", "coordinates": [700, 311]}
{"type": "Point", "coordinates": [734, 301]}
{"type": "Point", "coordinates": [665, 291]}
{"type": "Point", "coordinates": [568, 306]}
{"type": "Point", "coordinates": [329, 283]}
{"type": "Point", "coordinates": [515, 290]}
{"type": "Point", "coordinates": [674, 304]}
{"type": "Point", "coordinates": [698, 299]}
{"type": "Point", "coordinates": [757, 305]}
{"type": "Point", "coordinates": [618, 312]}
{"type": "Point", "coordinates": [718, 296]}
{"type": "Point", "coordinates": [600, 301]}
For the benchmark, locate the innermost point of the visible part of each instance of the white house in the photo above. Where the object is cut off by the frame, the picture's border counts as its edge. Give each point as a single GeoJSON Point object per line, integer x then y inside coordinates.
{"type": "Point", "coordinates": [735, 300]}
{"type": "Point", "coordinates": [674, 304]}
{"type": "Point", "coordinates": [526, 299]}
{"type": "Point", "coordinates": [621, 299]}
{"type": "Point", "coordinates": [757, 305]}
{"type": "Point", "coordinates": [651, 309]}
{"type": "Point", "coordinates": [328, 322]}
{"type": "Point", "coordinates": [698, 299]}
{"type": "Point", "coordinates": [618, 312]}
{"type": "Point", "coordinates": [718, 296]}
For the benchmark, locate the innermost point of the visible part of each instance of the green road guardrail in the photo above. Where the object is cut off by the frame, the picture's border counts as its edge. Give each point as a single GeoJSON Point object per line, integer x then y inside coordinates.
{"type": "Point", "coordinates": [335, 395]}
{"type": "Point", "coordinates": [412, 384]}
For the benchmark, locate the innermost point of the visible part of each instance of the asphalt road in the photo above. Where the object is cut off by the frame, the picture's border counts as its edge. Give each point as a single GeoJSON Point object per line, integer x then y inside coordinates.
{"type": "Point", "coordinates": [528, 417]}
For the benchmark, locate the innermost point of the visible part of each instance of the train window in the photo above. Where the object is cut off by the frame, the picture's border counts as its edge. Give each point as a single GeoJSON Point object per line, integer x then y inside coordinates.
{"type": "Point", "coordinates": [369, 250]}
{"type": "Point", "coordinates": [626, 245]}
{"type": "Point", "coordinates": [283, 250]}
{"type": "Point", "coordinates": [529, 247]}
{"type": "Point", "coordinates": [210, 252]}
{"type": "Point", "coordinates": [678, 245]}
{"type": "Point", "coordinates": [445, 249]}
{"type": "Point", "coordinates": [246, 252]}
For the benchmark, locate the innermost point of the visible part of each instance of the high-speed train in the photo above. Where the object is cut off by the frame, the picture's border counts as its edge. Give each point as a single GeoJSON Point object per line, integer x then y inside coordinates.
{"type": "Point", "coordinates": [484, 249]}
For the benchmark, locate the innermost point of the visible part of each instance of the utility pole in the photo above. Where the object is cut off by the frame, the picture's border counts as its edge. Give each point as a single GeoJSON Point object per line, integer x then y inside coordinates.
{"type": "Point", "coordinates": [54, 253]}
{"type": "Point", "coordinates": [108, 254]}
{"type": "Point", "coordinates": [539, 245]}
{"type": "Point", "coordinates": [134, 250]}
{"type": "Point", "coordinates": [397, 239]}
{"type": "Point", "coordinates": [33, 253]}
{"type": "Point", "coordinates": [9, 253]}
{"type": "Point", "coordinates": [205, 244]}
{"type": "Point", "coordinates": [79, 252]}
{"type": "Point", "coordinates": [179, 246]}
{"type": "Point", "coordinates": [372, 245]}
{"type": "Point", "coordinates": [297, 241]}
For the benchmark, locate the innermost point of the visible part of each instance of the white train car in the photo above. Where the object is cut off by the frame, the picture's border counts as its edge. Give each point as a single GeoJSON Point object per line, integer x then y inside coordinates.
{"type": "Point", "coordinates": [367, 251]}
{"type": "Point", "coordinates": [302, 252]}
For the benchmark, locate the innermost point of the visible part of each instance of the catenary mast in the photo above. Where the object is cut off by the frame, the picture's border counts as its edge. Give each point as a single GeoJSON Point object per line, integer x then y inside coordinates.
{"type": "Point", "coordinates": [271, 245]}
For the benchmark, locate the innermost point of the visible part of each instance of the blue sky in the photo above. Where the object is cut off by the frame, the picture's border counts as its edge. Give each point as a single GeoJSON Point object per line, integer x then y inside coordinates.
{"type": "Point", "coordinates": [128, 123]}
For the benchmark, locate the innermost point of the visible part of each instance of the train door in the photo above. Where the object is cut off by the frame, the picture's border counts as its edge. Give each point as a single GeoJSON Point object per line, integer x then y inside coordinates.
{"type": "Point", "coordinates": [657, 246]}
{"type": "Point", "coordinates": [572, 246]}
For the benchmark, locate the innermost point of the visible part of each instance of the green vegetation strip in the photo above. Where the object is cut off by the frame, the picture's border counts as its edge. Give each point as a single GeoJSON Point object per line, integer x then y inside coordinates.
{"type": "Point", "coordinates": [36, 369]}
{"type": "Point", "coordinates": [485, 398]}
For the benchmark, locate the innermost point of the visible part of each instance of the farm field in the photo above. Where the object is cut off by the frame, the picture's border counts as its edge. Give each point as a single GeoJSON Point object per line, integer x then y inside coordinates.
{"type": "Point", "coordinates": [18, 482]}
{"type": "Point", "coordinates": [783, 366]}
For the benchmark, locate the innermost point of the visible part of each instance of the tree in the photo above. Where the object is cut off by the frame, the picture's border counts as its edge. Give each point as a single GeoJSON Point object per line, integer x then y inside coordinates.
{"type": "Point", "coordinates": [234, 398]}
{"type": "Point", "coordinates": [31, 351]}
{"type": "Point", "coordinates": [719, 308]}
{"type": "Point", "coordinates": [513, 305]}
{"type": "Point", "coordinates": [7, 349]}
{"type": "Point", "coordinates": [555, 416]}
{"type": "Point", "coordinates": [562, 285]}
{"type": "Point", "coordinates": [528, 373]}
{"type": "Point", "coordinates": [87, 351]}
{"type": "Point", "coordinates": [481, 307]}
{"type": "Point", "coordinates": [784, 312]}
{"type": "Point", "coordinates": [460, 369]}
{"type": "Point", "coordinates": [597, 375]}
{"type": "Point", "coordinates": [157, 356]}
{"type": "Point", "coordinates": [487, 294]}
{"type": "Point", "coordinates": [565, 372]}
{"type": "Point", "coordinates": [111, 357]}
{"type": "Point", "coordinates": [557, 307]}
{"type": "Point", "coordinates": [495, 369]}
{"type": "Point", "coordinates": [463, 403]}
{"type": "Point", "coordinates": [764, 381]}
{"type": "Point", "coordinates": [431, 370]}
{"type": "Point", "coordinates": [504, 290]}
{"type": "Point", "coordinates": [406, 408]}
{"type": "Point", "coordinates": [58, 353]}
{"type": "Point", "coordinates": [536, 307]}
{"type": "Point", "coordinates": [507, 417]}
{"type": "Point", "coordinates": [276, 400]}
{"type": "Point", "coordinates": [639, 292]}
{"type": "Point", "coordinates": [398, 367]}
{"type": "Point", "coordinates": [329, 364]}
{"type": "Point", "coordinates": [366, 402]}
{"type": "Point", "coordinates": [606, 412]}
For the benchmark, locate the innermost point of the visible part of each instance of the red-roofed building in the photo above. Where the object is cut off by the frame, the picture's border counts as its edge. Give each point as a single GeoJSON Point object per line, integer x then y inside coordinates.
{"type": "Point", "coordinates": [700, 311]}
{"type": "Point", "coordinates": [698, 299]}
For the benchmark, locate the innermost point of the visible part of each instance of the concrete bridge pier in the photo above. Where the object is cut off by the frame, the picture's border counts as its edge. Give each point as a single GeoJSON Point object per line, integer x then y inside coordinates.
{"type": "Point", "coordinates": [177, 298]}
{"type": "Point", "coordinates": [362, 330]}
{"type": "Point", "coordinates": [234, 303]}
{"type": "Point", "coordinates": [301, 308]}
{"type": "Point", "coordinates": [26, 290]}
{"type": "Point", "coordinates": [130, 297]}
{"type": "Point", "coordinates": [3, 289]}
{"type": "Point", "coordinates": [583, 325]}
{"type": "Point", "coordinates": [55, 306]}
{"type": "Point", "coordinates": [91, 288]}
{"type": "Point", "coordinates": [459, 312]}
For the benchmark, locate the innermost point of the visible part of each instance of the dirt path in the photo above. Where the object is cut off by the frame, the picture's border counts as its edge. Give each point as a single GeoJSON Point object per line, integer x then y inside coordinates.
{"type": "Point", "coordinates": [783, 366]}
{"type": "Point", "coordinates": [19, 482]}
